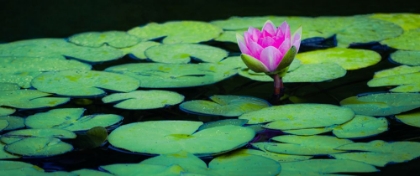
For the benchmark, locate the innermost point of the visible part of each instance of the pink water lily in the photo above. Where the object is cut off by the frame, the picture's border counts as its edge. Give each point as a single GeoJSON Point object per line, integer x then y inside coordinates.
{"type": "Point", "coordinates": [270, 50]}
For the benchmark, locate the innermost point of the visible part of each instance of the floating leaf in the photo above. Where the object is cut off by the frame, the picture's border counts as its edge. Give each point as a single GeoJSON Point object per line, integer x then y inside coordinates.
{"type": "Point", "coordinates": [315, 73]}
{"type": "Point", "coordinates": [151, 99]}
{"type": "Point", "coordinates": [5, 155]}
{"type": "Point", "coordinates": [236, 122]}
{"type": "Point", "coordinates": [86, 172]}
{"type": "Point", "coordinates": [3, 124]}
{"type": "Point", "coordinates": [292, 116]}
{"type": "Point", "coordinates": [6, 111]}
{"type": "Point", "coordinates": [40, 147]}
{"type": "Point", "coordinates": [117, 39]}
{"type": "Point", "coordinates": [401, 76]}
{"type": "Point", "coordinates": [18, 167]}
{"type": "Point", "coordinates": [181, 53]}
{"type": "Point", "coordinates": [361, 126]}
{"type": "Point", "coordinates": [224, 105]}
{"type": "Point", "coordinates": [177, 31]}
{"type": "Point", "coordinates": [165, 137]}
{"type": "Point", "coordinates": [14, 122]}
{"type": "Point", "coordinates": [409, 40]}
{"type": "Point", "coordinates": [142, 169]}
{"type": "Point", "coordinates": [382, 104]}
{"type": "Point", "coordinates": [275, 156]}
{"type": "Point", "coordinates": [71, 119]}
{"type": "Point", "coordinates": [310, 131]}
{"type": "Point", "coordinates": [29, 99]}
{"type": "Point", "coordinates": [349, 59]}
{"type": "Point", "coordinates": [410, 118]}
{"type": "Point", "coordinates": [8, 86]}
{"type": "Point", "coordinates": [17, 135]}
{"type": "Point", "coordinates": [83, 83]}
{"type": "Point", "coordinates": [159, 75]}
{"type": "Point", "coordinates": [137, 51]}
{"type": "Point", "coordinates": [406, 57]}
{"type": "Point", "coordinates": [407, 21]}
{"type": "Point", "coordinates": [325, 166]}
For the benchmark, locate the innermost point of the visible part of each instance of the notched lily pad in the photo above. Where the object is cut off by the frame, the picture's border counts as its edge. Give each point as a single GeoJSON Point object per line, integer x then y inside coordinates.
{"type": "Point", "coordinates": [177, 31]}
{"type": "Point", "coordinates": [361, 126]}
{"type": "Point", "coordinates": [29, 99]}
{"type": "Point", "coordinates": [237, 122]}
{"type": "Point", "coordinates": [411, 118]}
{"type": "Point", "coordinates": [406, 57]}
{"type": "Point", "coordinates": [40, 147]}
{"type": "Point", "coordinates": [407, 21]}
{"type": "Point", "coordinates": [137, 51]}
{"type": "Point", "coordinates": [117, 39]}
{"type": "Point", "coordinates": [401, 76]}
{"type": "Point", "coordinates": [224, 105]}
{"type": "Point", "coordinates": [14, 122]}
{"type": "Point", "coordinates": [17, 135]}
{"type": "Point", "coordinates": [182, 53]}
{"type": "Point", "coordinates": [409, 40]}
{"type": "Point", "coordinates": [83, 83]}
{"type": "Point", "coordinates": [151, 99]}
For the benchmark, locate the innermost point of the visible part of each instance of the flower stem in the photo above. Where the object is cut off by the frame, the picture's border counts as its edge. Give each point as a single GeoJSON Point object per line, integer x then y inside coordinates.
{"type": "Point", "coordinates": [278, 89]}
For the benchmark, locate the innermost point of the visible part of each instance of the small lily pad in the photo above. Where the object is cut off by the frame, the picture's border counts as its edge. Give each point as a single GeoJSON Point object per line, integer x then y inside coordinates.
{"type": "Point", "coordinates": [406, 57]}
{"type": "Point", "coordinates": [144, 99]}
{"type": "Point", "coordinates": [409, 40]}
{"type": "Point", "coordinates": [291, 116]}
{"type": "Point", "coordinates": [83, 83]}
{"type": "Point", "coordinates": [410, 118]}
{"type": "Point", "coordinates": [165, 137]}
{"type": "Point", "coordinates": [40, 147]}
{"type": "Point", "coordinates": [361, 126]}
{"type": "Point", "coordinates": [137, 51]}
{"type": "Point", "coordinates": [6, 155]}
{"type": "Point", "coordinates": [17, 135]}
{"type": "Point", "coordinates": [325, 167]}
{"type": "Point", "coordinates": [401, 76]}
{"type": "Point", "coordinates": [6, 111]}
{"type": "Point", "coordinates": [14, 122]}
{"type": "Point", "coordinates": [71, 119]}
{"type": "Point", "coordinates": [159, 75]}
{"type": "Point", "coordinates": [29, 99]}
{"type": "Point", "coordinates": [117, 39]}
{"type": "Point", "coordinates": [407, 21]}
{"type": "Point", "coordinates": [382, 104]}
{"type": "Point", "coordinates": [182, 53]}
{"type": "Point", "coordinates": [177, 31]}
{"type": "Point", "coordinates": [224, 105]}
{"type": "Point", "coordinates": [349, 59]}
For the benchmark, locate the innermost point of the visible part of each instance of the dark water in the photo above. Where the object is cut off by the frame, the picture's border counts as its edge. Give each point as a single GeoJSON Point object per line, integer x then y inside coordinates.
{"type": "Point", "coordinates": [26, 19]}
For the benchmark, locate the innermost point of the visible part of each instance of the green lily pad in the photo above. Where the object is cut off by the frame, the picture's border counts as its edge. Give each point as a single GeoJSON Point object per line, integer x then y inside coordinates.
{"type": "Point", "coordinates": [182, 53]}
{"type": "Point", "coordinates": [6, 111]}
{"type": "Point", "coordinates": [291, 116]}
{"type": "Point", "coordinates": [159, 75]}
{"type": "Point", "coordinates": [382, 104]}
{"type": "Point", "coordinates": [40, 147]}
{"type": "Point", "coordinates": [349, 59]}
{"type": "Point", "coordinates": [361, 126]}
{"type": "Point", "coordinates": [305, 145]}
{"type": "Point", "coordinates": [6, 155]}
{"type": "Point", "coordinates": [325, 166]}
{"type": "Point", "coordinates": [142, 169]}
{"type": "Point", "coordinates": [117, 39]}
{"type": "Point", "coordinates": [3, 124]}
{"type": "Point", "coordinates": [178, 31]}
{"type": "Point", "coordinates": [275, 156]}
{"type": "Point", "coordinates": [406, 57]}
{"type": "Point", "coordinates": [409, 40]}
{"type": "Point", "coordinates": [310, 131]}
{"type": "Point", "coordinates": [315, 73]}
{"type": "Point", "coordinates": [71, 119]}
{"type": "Point", "coordinates": [150, 99]}
{"type": "Point", "coordinates": [83, 83]}
{"type": "Point", "coordinates": [8, 86]}
{"type": "Point", "coordinates": [29, 99]}
{"type": "Point", "coordinates": [224, 105]}
{"type": "Point", "coordinates": [401, 76]}
{"type": "Point", "coordinates": [14, 122]}
{"type": "Point", "coordinates": [380, 153]}
{"type": "Point", "coordinates": [59, 48]}
{"type": "Point", "coordinates": [18, 167]}
{"type": "Point", "coordinates": [86, 172]}
{"type": "Point", "coordinates": [407, 21]}
{"type": "Point", "coordinates": [165, 137]}
{"type": "Point", "coordinates": [17, 135]}
{"type": "Point", "coordinates": [137, 51]}
{"type": "Point", "coordinates": [410, 118]}
{"type": "Point", "coordinates": [236, 122]}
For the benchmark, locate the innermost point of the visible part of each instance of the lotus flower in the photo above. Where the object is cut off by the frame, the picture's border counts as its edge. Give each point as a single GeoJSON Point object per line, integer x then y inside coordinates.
{"type": "Point", "coordinates": [271, 50]}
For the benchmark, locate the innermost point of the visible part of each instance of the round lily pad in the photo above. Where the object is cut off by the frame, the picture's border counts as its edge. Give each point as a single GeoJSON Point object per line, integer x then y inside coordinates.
{"type": "Point", "coordinates": [29, 99]}
{"type": "Point", "coordinates": [14, 122]}
{"type": "Point", "coordinates": [59, 48]}
{"type": "Point", "coordinates": [291, 116]}
{"type": "Point", "coordinates": [8, 86]}
{"type": "Point", "coordinates": [315, 73]}
{"type": "Point", "coordinates": [177, 31]}
{"type": "Point", "coordinates": [137, 51]}
{"type": "Point", "coordinates": [6, 111]}
{"type": "Point", "coordinates": [224, 105]}
{"type": "Point", "coordinates": [349, 59]}
{"type": "Point", "coordinates": [6, 155]}
{"type": "Point", "coordinates": [236, 122]}
{"type": "Point", "coordinates": [407, 21]}
{"type": "Point", "coordinates": [361, 126]}
{"type": "Point", "coordinates": [40, 147]}
{"type": "Point", "coordinates": [71, 119]}
{"type": "Point", "coordinates": [117, 39]}
{"type": "Point", "coordinates": [83, 83]}
{"type": "Point", "coordinates": [159, 75]}
{"type": "Point", "coordinates": [400, 70]}
{"type": "Point", "coordinates": [17, 135]}
{"type": "Point", "coordinates": [164, 137]}
{"type": "Point", "coordinates": [16, 166]}
{"type": "Point", "coordinates": [409, 40]}
{"type": "Point", "coordinates": [144, 99]}
{"type": "Point", "coordinates": [410, 118]}
{"type": "Point", "coordinates": [181, 53]}
{"type": "Point", "coordinates": [400, 76]}
{"type": "Point", "coordinates": [325, 167]}
{"type": "Point", "coordinates": [406, 57]}
{"type": "Point", "coordinates": [382, 104]}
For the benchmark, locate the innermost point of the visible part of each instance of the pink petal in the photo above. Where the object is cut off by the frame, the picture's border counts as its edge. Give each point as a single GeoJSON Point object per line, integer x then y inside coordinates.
{"type": "Point", "coordinates": [255, 49]}
{"type": "Point", "coordinates": [269, 29]}
{"type": "Point", "coordinates": [284, 47]}
{"type": "Point", "coordinates": [253, 34]}
{"type": "Point", "coordinates": [297, 37]}
{"type": "Point", "coordinates": [242, 44]}
{"type": "Point", "coordinates": [271, 57]}
{"type": "Point", "coordinates": [283, 29]}
{"type": "Point", "coordinates": [267, 41]}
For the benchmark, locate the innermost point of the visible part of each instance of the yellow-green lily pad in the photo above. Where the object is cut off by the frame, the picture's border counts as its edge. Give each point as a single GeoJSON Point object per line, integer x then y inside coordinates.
{"type": "Point", "coordinates": [71, 119]}
{"type": "Point", "coordinates": [349, 59]}
{"type": "Point", "coordinates": [409, 40]}
{"type": "Point", "coordinates": [401, 76]}
{"type": "Point", "coordinates": [237, 122]}
{"type": "Point", "coordinates": [150, 99]}
{"type": "Point", "coordinates": [361, 126]}
{"type": "Point", "coordinates": [315, 73]}
{"type": "Point", "coordinates": [17, 135]}
{"type": "Point", "coordinates": [40, 147]}
{"type": "Point", "coordinates": [117, 39]}
{"type": "Point", "coordinates": [83, 83]}
{"type": "Point", "coordinates": [407, 21]}
{"type": "Point", "coordinates": [382, 104]}
{"type": "Point", "coordinates": [406, 57]}
{"type": "Point", "coordinates": [29, 99]}
{"type": "Point", "coordinates": [177, 31]}
{"type": "Point", "coordinates": [166, 137]}
{"type": "Point", "coordinates": [411, 118]}
{"type": "Point", "coordinates": [224, 105]}
{"type": "Point", "coordinates": [292, 116]}
{"type": "Point", "coordinates": [182, 53]}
